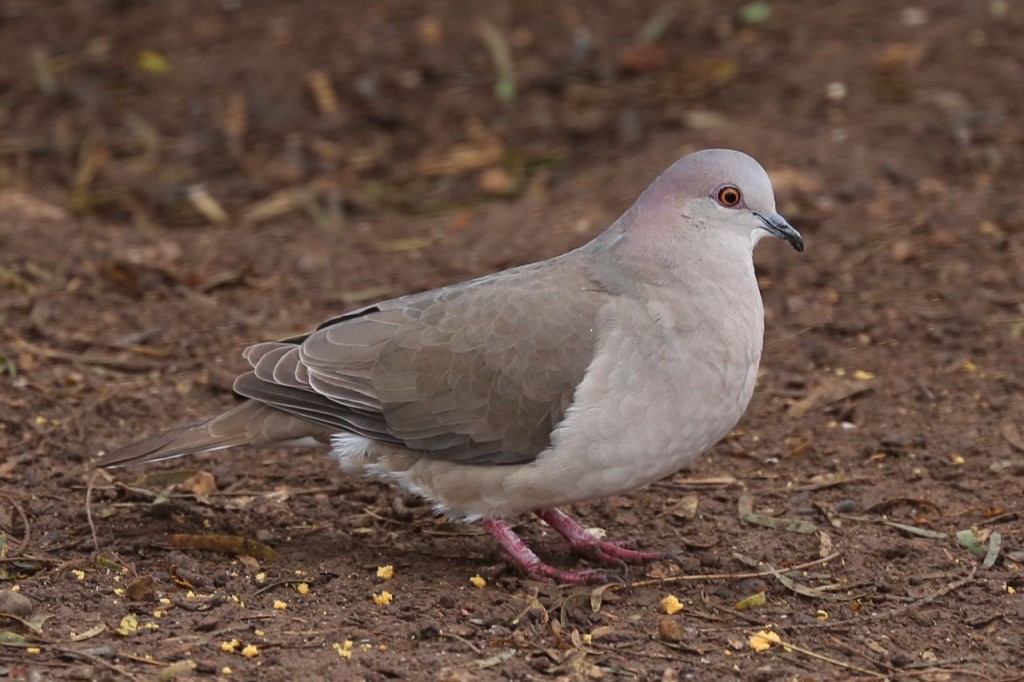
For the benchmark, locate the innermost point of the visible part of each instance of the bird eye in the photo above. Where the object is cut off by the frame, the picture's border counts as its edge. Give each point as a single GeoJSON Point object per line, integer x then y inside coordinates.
{"type": "Point", "coordinates": [729, 196]}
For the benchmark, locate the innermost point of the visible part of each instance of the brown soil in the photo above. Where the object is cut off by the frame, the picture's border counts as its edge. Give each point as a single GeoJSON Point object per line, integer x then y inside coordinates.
{"type": "Point", "coordinates": [162, 209]}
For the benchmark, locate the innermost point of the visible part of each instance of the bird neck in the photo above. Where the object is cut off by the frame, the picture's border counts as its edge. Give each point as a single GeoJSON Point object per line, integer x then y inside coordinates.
{"type": "Point", "coordinates": [641, 251]}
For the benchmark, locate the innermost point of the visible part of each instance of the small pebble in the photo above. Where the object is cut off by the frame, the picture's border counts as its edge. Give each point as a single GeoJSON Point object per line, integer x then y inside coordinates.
{"type": "Point", "coordinates": [846, 507]}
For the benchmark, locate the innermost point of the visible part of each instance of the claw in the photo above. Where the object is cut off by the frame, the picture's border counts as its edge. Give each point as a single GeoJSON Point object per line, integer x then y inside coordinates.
{"type": "Point", "coordinates": [587, 544]}
{"type": "Point", "coordinates": [674, 558]}
{"type": "Point", "coordinates": [583, 542]}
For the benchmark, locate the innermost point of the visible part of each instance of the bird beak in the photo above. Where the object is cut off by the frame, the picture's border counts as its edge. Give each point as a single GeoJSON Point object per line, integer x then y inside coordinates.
{"type": "Point", "coordinates": [777, 226]}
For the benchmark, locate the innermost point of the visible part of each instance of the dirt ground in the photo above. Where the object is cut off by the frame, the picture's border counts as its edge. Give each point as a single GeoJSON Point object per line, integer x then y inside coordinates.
{"type": "Point", "coordinates": [179, 179]}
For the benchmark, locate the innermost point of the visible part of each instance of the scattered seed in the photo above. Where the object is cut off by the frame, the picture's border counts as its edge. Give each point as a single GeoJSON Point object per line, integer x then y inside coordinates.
{"type": "Point", "coordinates": [671, 605]}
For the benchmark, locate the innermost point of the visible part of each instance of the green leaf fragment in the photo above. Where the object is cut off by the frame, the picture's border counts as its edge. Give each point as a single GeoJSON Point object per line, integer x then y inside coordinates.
{"type": "Point", "coordinates": [756, 12]}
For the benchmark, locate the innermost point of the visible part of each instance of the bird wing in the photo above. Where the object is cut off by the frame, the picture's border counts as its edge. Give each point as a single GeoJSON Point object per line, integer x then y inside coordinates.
{"type": "Point", "coordinates": [479, 372]}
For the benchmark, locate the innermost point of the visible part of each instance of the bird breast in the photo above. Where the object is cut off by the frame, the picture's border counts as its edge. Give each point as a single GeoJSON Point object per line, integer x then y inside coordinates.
{"type": "Point", "coordinates": [669, 380]}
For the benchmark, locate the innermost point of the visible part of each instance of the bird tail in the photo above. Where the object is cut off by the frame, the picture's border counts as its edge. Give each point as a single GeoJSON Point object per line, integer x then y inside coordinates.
{"type": "Point", "coordinates": [251, 423]}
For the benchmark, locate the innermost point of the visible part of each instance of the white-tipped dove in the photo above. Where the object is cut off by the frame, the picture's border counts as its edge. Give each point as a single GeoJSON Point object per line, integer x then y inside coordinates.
{"type": "Point", "coordinates": [593, 373]}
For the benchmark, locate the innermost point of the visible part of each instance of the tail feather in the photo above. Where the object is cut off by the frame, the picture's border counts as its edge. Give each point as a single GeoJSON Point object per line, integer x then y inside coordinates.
{"type": "Point", "coordinates": [250, 423]}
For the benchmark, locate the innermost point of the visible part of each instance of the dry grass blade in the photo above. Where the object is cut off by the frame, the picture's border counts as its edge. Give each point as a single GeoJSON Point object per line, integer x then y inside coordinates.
{"type": "Point", "coordinates": [33, 621]}
{"type": "Point", "coordinates": [209, 207]}
{"type": "Point", "coordinates": [324, 95]}
{"type": "Point", "coordinates": [501, 56]}
{"type": "Point", "coordinates": [804, 590]}
{"type": "Point", "coordinates": [995, 542]}
{"type": "Point", "coordinates": [914, 530]}
{"type": "Point", "coordinates": [787, 646]}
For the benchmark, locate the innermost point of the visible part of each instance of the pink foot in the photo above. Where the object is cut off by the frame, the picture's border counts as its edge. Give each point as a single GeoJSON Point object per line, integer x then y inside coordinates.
{"type": "Point", "coordinates": [530, 563]}
{"type": "Point", "coordinates": [590, 546]}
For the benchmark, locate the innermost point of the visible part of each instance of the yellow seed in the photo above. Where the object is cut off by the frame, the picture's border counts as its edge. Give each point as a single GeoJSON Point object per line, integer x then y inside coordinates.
{"type": "Point", "coordinates": [302, 588]}
{"type": "Point", "coordinates": [863, 375]}
{"type": "Point", "coordinates": [385, 572]}
{"type": "Point", "coordinates": [128, 625]}
{"type": "Point", "coordinates": [383, 599]}
{"type": "Point", "coordinates": [763, 640]}
{"type": "Point", "coordinates": [250, 651]}
{"type": "Point", "coordinates": [151, 61]}
{"type": "Point", "coordinates": [478, 581]}
{"type": "Point", "coordinates": [671, 605]}
{"type": "Point", "coordinates": [229, 647]}
{"type": "Point", "coordinates": [33, 650]}
{"type": "Point", "coordinates": [280, 605]}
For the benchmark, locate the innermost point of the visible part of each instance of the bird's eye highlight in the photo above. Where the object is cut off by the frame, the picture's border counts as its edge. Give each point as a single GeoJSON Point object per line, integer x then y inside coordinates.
{"type": "Point", "coordinates": [729, 196]}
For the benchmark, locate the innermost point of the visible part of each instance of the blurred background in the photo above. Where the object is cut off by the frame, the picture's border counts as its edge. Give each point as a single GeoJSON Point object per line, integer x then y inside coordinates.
{"type": "Point", "coordinates": [195, 113]}
{"type": "Point", "coordinates": [179, 178]}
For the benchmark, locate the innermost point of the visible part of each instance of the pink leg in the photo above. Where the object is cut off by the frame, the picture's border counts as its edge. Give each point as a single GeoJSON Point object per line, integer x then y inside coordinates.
{"type": "Point", "coordinates": [589, 545]}
{"type": "Point", "coordinates": [531, 564]}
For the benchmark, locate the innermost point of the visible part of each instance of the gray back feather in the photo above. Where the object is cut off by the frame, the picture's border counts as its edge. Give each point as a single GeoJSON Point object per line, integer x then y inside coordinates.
{"type": "Point", "coordinates": [480, 372]}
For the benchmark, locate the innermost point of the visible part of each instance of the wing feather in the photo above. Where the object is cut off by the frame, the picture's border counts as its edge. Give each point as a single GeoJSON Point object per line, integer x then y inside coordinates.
{"type": "Point", "coordinates": [479, 372]}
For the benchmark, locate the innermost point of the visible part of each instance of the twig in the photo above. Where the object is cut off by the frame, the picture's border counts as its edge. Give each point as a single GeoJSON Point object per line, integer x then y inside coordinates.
{"type": "Point", "coordinates": [465, 641]}
{"type": "Point", "coordinates": [834, 661]}
{"type": "Point", "coordinates": [88, 513]}
{"type": "Point", "coordinates": [281, 583]}
{"type": "Point", "coordinates": [918, 673]}
{"type": "Point", "coordinates": [725, 576]}
{"type": "Point", "coordinates": [902, 609]}
{"type": "Point", "coordinates": [97, 659]}
{"type": "Point", "coordinates": [935, 595]}
{"type": "Point", "coordinates": [108, 361]}
{"type": "Point", "coordinates": [29, 557]}
{"type": "Point", "coordinates": [24, 520]}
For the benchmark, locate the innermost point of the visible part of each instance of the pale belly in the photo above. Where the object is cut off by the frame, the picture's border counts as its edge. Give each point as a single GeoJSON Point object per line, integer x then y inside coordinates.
{"type": "Point", "coordinates": [651, 402]}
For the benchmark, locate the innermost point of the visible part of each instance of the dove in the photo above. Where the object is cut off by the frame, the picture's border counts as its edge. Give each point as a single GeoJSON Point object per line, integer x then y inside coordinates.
{"type": "Point", "coordinates": [593, 373]}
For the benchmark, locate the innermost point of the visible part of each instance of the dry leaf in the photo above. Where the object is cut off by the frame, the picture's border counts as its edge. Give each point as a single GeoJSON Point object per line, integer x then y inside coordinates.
{"type": "Point", "coordinates": [225, 544]}
{"type": "Point", "coordinates": [143, 589]}
{"type": "Point", "coordinates": [200, 485]}
{"type": "Point", "coordinates": [90, 633]}
{"type": "Point", "coordinates": [670, 630]}
{"type": "Point", "coordinates": [1012, 435]}
{"type": "Point", "coordinates": [828, 391]}
{"type": "Point", "coordinates": [752, 602]}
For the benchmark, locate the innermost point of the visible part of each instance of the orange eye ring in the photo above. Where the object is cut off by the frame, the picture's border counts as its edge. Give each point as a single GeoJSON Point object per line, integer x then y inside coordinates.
{"type": "Point", "coordinates": [729, 196]}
